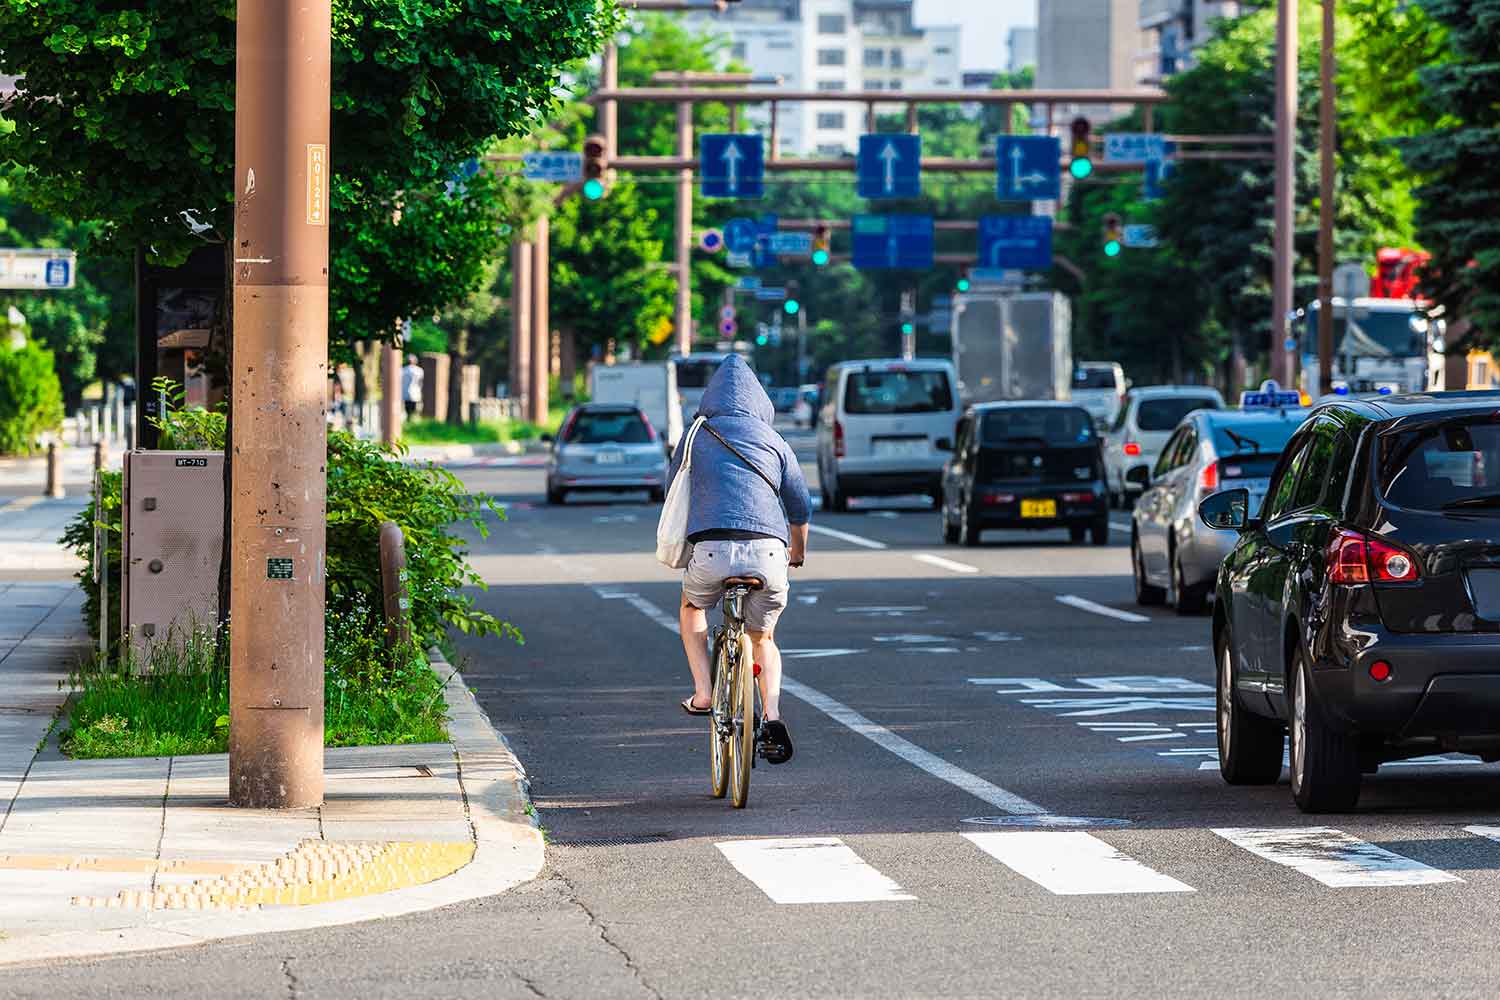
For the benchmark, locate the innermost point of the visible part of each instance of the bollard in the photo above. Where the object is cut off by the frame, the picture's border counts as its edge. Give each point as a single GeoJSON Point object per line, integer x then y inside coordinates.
{"type": "Point", "coordinates": [54, 472]}
{"type": "Point", "coordinates": [101, 456]}
{"type": "Point", "coordinates": [393, 586]}
{"type": "Point", "coordinates": [93, 423]}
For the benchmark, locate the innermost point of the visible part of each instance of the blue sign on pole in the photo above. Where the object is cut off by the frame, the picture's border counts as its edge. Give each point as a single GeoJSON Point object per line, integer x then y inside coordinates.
{"type": "Point", "coordinates": [1015, 242]}
{"type": "Point", "coordinates": [890, 166]}
{"type": "Point", "coordinates": [740, 234]}
{"type": "Point", "coordinates": [893, 242]}
{"type": "Point", "coordinates": [1027, 168]}
{"type": "Point", "coordinates": [732, 165]}
{"type": "Point", "coordinates": [761, 254]}
{"type": "Point", "coordinates": [57, 273]}
{"type": "Point", "coordinates": [1157, 172]}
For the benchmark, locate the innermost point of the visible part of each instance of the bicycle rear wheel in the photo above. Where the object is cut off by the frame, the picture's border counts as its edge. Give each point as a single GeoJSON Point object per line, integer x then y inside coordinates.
{"type": "Point", "coordinates": [718, 744]}
{"type": "Point", "coordinates": [742, 738]}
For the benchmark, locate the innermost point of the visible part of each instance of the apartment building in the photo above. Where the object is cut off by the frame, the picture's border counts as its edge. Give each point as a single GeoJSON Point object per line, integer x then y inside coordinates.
{"type": "Point", "coordinates": [1021, 46]}
{"type": "Point", "coordinates": [1172, 30]}
{"type": "Point", "coordinates": [1087, 45]}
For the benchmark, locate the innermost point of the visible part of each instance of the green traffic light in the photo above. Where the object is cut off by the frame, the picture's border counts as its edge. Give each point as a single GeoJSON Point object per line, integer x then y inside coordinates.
{"type": "Point", "coordinates": [1112, 248]}
{"type": "Point", "coordinates": [761, 340]}
{"type": "Point", "coordinates": [1081, 167]}
{"type": "Point", "coordinates": [963, 284]}
{"type": "Point", "coordinates": [820, 258]}
{"type": "Point", "coordinates": [593, 189]}
{"type": "Point", "coordinates": [908, 329]}
{"type": "Point", "coordinates": [791, 306]}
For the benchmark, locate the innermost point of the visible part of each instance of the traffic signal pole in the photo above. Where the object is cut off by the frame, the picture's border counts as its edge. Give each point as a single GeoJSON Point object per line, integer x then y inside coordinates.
{"type": "Point", "coordinates": [280, 387]}
{"type": "Point", "coordinates": [683, 315]}
{"type": "Point", "coordinates": [1282, 364]}
{"type": "Point", "coordinates": [1328, 134]}
{"type": "Point", "coordinates": [541, 324]}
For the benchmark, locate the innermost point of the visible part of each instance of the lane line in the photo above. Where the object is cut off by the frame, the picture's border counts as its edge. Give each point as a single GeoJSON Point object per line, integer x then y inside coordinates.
{"type": "Point", "coordinates": [1333, 857]}
{"type": "Point", "coordinates": [1072, 863]}
{"type": "Point", "coordinates": [934, 765]}
{"type": "Point", "coordinates": [844, 536]}
{"type": "Point", "coordinates": [942, 563]}
{"type": "Point", "coordinates": [1083, 604]}
{"type": "Point", "coordinates": [1120, 526]}
{"type": "Point", "coordinates": [810, 870]}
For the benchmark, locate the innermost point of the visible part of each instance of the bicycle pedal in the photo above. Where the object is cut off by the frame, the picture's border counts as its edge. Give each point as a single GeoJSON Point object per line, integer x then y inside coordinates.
{"type": "Point", "coordinates": [756, 672]}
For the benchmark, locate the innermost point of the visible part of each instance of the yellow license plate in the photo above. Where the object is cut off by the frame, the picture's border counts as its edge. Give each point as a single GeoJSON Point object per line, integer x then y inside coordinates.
{"type": "Point", "coordinates": [1038, 508]}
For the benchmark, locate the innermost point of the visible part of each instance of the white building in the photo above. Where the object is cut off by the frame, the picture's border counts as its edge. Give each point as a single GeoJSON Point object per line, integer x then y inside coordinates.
{"type": "Point", "coordinates": [1087, 45]}
{"type": "Point", "coordinates": [834, 45]}
{"type": "Point", "coordinates": [1172, 30]}
{"type": "Point", "coordinates": [1021, 43]}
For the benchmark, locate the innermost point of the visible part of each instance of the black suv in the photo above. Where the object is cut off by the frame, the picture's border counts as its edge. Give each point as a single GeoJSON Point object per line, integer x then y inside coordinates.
{"type": "Point", "coordinates": [1025, 465]}
{"type": "Point", "coordinates": [1361, 608]}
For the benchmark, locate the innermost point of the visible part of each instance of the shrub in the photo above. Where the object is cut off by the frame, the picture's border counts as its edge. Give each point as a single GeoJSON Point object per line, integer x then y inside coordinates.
{"type": "Point", "coordinates": [31, 402]}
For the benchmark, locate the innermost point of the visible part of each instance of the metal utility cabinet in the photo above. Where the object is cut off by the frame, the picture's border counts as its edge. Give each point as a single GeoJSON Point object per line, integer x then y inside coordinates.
{"type": "Point", "coordinates": [1012, 345]}
{"type": "Point", "coordinates": [173, 508]}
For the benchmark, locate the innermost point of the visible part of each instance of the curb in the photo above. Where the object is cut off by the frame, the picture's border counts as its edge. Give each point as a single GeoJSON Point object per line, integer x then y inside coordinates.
{"type": "Point", "coordinates": [508, 850]}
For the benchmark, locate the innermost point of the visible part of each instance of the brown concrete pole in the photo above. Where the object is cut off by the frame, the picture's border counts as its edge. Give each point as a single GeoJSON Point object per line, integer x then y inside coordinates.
{"type": "Point", "coordinates": [541, 323]}
{"type": "Point", "coordinates": [609, 76]}
{"type": "Point", "coordinates": [280, 388]}
{"type": "Point", "coordinates": [391, 413]}
{"type": "Point", "coordinates": [394, 599]}
{"type": "Point", "coordinates": [520, 308]}
{"type": "Point", "coordinates": [1282, 249]}
{"type": "Point", "coordinates": [683, 315]}
{"type": "Point", "coordinates": [54, 471]}
{"type": "Point", "coordinates": [1328, 135]}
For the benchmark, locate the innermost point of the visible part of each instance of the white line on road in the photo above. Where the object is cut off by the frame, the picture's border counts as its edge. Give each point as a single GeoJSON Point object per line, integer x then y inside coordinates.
{"type": "Point", "coordinates": [1083, 604]}
{"type": "Point", "coordinates": [810, 870]}
{"type": "Point", "coordinates": [1333, 857]}
{"type": "Point", "coordinates": [868, 543]}
{"type": "Point", "coordinates": [642, 605]}
{"type": "Point", "coordinates": [1120, 526]}
{"type": "Point", "coordinates": [1072, 863]}
{"type": "Point", "coordinates": [942, 563]}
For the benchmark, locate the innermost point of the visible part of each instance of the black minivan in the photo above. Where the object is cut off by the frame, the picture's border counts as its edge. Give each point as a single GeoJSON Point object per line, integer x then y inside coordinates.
{"type": "Point", "coordinates": [1025, 465]}
{"type": "Point", "coordinates": [1360, 608]}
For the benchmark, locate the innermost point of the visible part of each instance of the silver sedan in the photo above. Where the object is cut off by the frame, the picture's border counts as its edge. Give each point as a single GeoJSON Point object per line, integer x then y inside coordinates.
{"type": "Point", "coordinates": [1174, 556]}
{"type": "Point", "coordinates": [605, 447]}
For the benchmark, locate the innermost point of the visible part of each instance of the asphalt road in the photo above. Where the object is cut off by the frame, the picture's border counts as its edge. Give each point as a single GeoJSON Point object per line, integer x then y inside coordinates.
{"type": "Point", "coordinates": [1004, 786]}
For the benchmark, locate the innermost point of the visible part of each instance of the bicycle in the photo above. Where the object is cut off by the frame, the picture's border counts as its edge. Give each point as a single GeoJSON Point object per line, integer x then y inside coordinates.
{"type": "Point", "coordinates": [734, 720]}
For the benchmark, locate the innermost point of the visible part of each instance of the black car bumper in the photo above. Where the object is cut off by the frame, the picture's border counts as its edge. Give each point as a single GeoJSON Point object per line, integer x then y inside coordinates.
{"type": "Point", "coordinates": [1012, 515]}
{"type": "Point", "coordinates": [889, 484]}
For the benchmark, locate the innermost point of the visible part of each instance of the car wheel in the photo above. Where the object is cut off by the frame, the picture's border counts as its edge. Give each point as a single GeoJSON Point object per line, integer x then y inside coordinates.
{"type": "Point", "coordinates": [1250, 745]}
{"type": "Point", "coordinates": [658, 495]}
{"type": "Point", "coordinates": [1100, 531]}
{"type": "Point", "coordinates": [1325, 762]}
{"type": "Point", "coordinates": [1145, 593]}
{"type": "Point", "coordinates": [1185, 599]}
{"type": "Point", "coordinates": [556, 496]}
{"type": "Point", "coordinates": [950, 530]}
{"type": "Point", "coordinates": [1077, 533]}
{"type": "Point", "coordinates": [968, 531]}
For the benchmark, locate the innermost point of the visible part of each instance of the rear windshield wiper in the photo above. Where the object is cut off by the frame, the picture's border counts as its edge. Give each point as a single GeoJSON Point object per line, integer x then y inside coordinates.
{"type": "Point", "coordinates": [1017, 439]}
{"type": "Point", "coordinates": [1240, 441]}
{"type": "Point", "coordinates": [1483, 500]}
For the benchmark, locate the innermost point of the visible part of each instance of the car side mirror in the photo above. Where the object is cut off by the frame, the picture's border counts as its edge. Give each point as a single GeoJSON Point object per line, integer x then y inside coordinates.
{"type": "Point", "coordinates": [546, 439]}
{"type": "Point", "coordinates": [943, 444]}
{"type": "Point", "coordinates": [1139, 475]}
{"type": "Point", "coordinates": [1228, 510]}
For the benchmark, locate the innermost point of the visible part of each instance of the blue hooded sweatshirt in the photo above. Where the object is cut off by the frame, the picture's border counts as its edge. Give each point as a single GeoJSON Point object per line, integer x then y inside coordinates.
{"type": "Point", "coordinates": [727, 495]}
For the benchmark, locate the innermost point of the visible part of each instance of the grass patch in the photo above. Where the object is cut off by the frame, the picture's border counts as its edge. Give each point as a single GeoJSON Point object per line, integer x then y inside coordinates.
{"type": "Point", "coordinates": [421, 431]}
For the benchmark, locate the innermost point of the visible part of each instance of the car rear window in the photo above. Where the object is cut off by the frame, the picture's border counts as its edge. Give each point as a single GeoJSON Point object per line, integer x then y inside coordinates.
{"type": "Point", "coordinates": [623, 427]}
{"type": "Point", "coordinates": [1094, 378]}
{"type": "Point", "coordinates": [1255, 441]}
{"type": "Point", "coordinates": [1052, 426]}
{"type": "Point", "coordinates": [1452, 464]}
{"type": "Point", "coordinates": [897, 392]}
{"type": "Point", "coordinates": [1166, 412]}
{"type": "Point", "coordinates": [695, 374]}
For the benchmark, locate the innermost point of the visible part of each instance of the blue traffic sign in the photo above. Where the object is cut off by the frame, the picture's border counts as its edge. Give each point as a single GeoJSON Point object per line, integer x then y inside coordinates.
{"type": "Point", "coordinates": [890, 166]}
{"type": "Point", "coordinates": [1026, 168]}
{"type": "Point", "coordinates": [732, 165]}
{"type": "Point", "coordinates": [740, 235]}
{"type": "Point", "coordinates": [1157, 172]}
{"type": "Point", "coordinates": [57, 275]}
{"type": "Point", "coordinates": [1015, 242]}
{"type": "Point", "coordinates": [893, 242]}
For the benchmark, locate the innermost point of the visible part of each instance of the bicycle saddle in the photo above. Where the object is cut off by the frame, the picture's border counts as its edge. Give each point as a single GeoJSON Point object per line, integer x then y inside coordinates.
{"type": "Point", "coordinates": [752, 582]}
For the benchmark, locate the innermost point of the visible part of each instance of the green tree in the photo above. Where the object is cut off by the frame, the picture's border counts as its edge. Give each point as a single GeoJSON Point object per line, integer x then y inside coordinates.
{"type": "Point", "coordinates": [30, 396]}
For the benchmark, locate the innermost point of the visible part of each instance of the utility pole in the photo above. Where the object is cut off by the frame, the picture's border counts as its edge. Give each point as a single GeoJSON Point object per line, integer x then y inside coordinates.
{"type": "Point", "coordinates": [520, 337]}
{"type": "Point", "coordinates": [1282, 366]}
{"type": "Point", "coordinates": [280, 398]}
{"type": "Point", "coordinates": [390, 394]}
{"type": "Point", "coordinates": [684, 236]}
{"type": "Point", "coordinates": [541, 324]}
{"type": "Point", "coordinates": [1328, 135]}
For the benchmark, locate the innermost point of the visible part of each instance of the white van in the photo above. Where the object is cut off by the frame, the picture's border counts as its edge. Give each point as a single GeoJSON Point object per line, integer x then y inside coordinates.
{"type": "Point", "coordinates": [1099, 387]}
{"type": "Point", "coordinates": [650, 386]}
{"type": "Point", "coordinates": [1147, 417]}
{"type": "Point", "coordinates": [885, 429]}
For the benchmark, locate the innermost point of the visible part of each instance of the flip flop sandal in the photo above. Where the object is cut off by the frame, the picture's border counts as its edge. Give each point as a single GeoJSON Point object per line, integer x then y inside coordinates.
{"type": "Point", "coordinates": [775, 742]}
{"type": "Point", "coordinates": [691, 709]}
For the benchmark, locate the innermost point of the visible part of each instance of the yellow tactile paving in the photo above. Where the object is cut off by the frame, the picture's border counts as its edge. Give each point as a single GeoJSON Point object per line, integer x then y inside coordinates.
{"type": "Point", "coordinates": [315, 871]}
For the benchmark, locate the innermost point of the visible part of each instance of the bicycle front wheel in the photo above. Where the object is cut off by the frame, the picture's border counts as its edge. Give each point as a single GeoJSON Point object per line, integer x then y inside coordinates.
{"type": "Point", "coordinates": [723, 710]}
{"type": "Point", "coordinates": [742, 737]}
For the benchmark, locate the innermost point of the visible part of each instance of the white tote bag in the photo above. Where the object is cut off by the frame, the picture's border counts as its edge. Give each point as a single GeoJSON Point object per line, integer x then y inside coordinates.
{"type": "Point", "coordinates": [673, 549]}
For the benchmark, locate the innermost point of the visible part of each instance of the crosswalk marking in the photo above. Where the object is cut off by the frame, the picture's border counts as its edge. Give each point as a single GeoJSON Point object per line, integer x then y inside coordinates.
{"type": "Point", "coordinates": [1333, 857]}
{"type": "Point", "coordinates": [1072, 863]}
{"type": "Point", "coordinates": [810, 870]}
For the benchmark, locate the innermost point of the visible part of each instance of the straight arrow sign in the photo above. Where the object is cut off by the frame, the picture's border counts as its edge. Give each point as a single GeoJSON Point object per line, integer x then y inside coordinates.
{"type": "Point", "coordinates": [732, 165]}
{"type": "Point", "coordinates": [890, 156]}
{"type": "Point", "coordinates": [889, 166]}
{"type": "Point", "coordinates": [732, 157]}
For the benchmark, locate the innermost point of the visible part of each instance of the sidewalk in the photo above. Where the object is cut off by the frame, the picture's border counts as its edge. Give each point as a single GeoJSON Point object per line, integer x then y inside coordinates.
{"type": "Point", "coordinates": [100, 857]}
{"type": "Point", "coordinates": [29, 529]}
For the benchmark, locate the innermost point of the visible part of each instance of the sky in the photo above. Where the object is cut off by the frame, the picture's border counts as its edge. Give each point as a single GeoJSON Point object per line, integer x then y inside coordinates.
{"type": "Point", "coordinates": [986, 24]}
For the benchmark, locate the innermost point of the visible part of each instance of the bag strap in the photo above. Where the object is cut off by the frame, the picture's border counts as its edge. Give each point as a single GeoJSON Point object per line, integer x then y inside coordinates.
{"type": "Point", "coordinates": [774, 488]}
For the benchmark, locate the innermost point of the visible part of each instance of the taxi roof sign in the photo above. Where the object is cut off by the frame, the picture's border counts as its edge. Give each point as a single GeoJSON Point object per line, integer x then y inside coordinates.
{"type": "Point", "coordinates": [1269, 396]}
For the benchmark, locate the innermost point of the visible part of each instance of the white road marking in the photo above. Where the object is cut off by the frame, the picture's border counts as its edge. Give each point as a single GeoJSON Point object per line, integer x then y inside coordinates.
{"type": "Point", "coordinates": [911, 637]}
{"type": "Point", "coordinates": [879, 735]}
{"type": "Point", "coordinates": [1431, 761]}
{"type": "Point", "coordinates": [817, 654]}
{"type": "Point", "coordinates": [844, 536]}
{"type": "Point", "coordinates": [1333, 857]}
{"type": "Point", "coordinates": [941, 563]}
{"type": "Point", "coordinates": [1489, 832]}
{"type": "Point", "coordinates": [997, 637]}
{"type": "Point", "coordinates": [1120, 525]}
{"type": "Point", "coordinates": [1120, 706]}
{"type": "Point", "coordinates": [807, 598]}
{"type": "Point", "coordinates": [888, 610]}
{"type": "Point", "coordinates": [810, 870]}
{"type": "Point", "coordinates": [1153, 736]}
{"type": "Point", "coordinates": [1072, 863]}
{"type": "Point", "coordinates": [1083, 604]}
{"type": "Point", "coordinates": [1145, 684]}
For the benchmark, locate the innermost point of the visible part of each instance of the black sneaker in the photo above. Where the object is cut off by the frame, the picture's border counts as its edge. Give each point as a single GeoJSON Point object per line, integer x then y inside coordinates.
{"type": "Point", "coordinates": [775, 742]}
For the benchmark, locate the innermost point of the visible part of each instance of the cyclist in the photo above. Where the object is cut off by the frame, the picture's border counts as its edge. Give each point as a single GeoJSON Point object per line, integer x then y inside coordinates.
{"type": "Point", "coordinates": [748, 516]}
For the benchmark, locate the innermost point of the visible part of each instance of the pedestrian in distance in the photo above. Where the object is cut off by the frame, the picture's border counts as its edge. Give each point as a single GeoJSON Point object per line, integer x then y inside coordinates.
{"type": "Point", "coordinates": [411, 385]}
{"type": "Point", "coordinates": [747, 517]}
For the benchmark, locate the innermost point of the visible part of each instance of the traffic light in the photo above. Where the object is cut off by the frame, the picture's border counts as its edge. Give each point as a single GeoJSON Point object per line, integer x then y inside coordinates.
{"type": "Point", "coordinates": [792, 307]}
{"type": "Point", "coordinates": [1080, 166]}
{"type": "Point", "coordinates": [820, 246]}
{"type": "Point", "coordinates": [761, 340]}
{"type": "Point", "coordinates": [908, 328]}
{"type": "Point", "coordinates": [1114, 235]}
{"type": "Point", "coordinates": [963, 281]}
{"type": "Point", "coordinates": [595, 167]}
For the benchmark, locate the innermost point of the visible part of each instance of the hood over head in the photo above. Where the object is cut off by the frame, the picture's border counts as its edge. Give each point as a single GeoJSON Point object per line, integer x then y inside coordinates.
{"type": "Point", "coordinates": [734, 390]}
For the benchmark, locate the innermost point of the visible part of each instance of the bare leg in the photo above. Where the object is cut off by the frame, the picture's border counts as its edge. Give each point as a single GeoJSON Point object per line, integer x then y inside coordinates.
{"type": "Point", "coordinates": [763, 648]}
{"type": "Point", "coordinates": [693, 624]}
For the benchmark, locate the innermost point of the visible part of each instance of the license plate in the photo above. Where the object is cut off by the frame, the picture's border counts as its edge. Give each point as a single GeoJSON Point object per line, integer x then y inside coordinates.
{"type": "Point", "coordinates": [1038, 508]}
{"type": "Point", "coordinates": [899, 448]}
{"type": "Point", "coordinates": [1484, 587]}
{"type": "Point", "coordinates": [610, 457]}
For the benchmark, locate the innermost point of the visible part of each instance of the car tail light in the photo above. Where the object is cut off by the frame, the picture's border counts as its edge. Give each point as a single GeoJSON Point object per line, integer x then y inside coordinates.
{"type": "Point", "coordinates": [1354, 557]}
{"type": "Point", "coordinates": [1086, 496]}
{"type": "Point", "coordinates": [993, 499]}
{"type": "Point", "coordinates": [1208, 479]}
{"type": "Point", "coordinates": [1380, 671]}
{"type": "Point", "coordinates": [838, 440]}
{"type": "Point", "coordinates": [1132, 449]}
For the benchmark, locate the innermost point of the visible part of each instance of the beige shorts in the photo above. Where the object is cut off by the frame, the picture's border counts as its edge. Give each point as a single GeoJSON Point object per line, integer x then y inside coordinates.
{"type": "Point", "coordinates": [712, 562]}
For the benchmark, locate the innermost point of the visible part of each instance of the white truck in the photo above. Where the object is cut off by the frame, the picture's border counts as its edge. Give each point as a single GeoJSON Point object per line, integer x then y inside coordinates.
{"type": "Point", "coordinates": [1379, 345]}
{"type": "Point", "coordinates": [1012, 345]}
{"type": "Point", "coordinates": [649, 385]}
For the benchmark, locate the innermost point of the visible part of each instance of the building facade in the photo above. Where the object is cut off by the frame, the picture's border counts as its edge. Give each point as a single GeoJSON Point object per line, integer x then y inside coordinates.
{"type": "Point", "coordinates": [1172, 30]}
{"type": "Point", "coordinates": [1087, 45]}
{"type": "Point", "coordinates": [1020, 45]}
